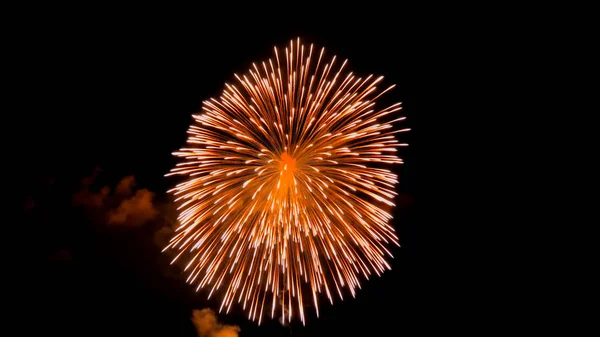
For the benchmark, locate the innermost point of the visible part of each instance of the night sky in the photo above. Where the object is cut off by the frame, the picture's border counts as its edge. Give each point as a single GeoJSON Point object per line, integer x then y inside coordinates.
{"type": "Point", "coordinates": [113, 100]}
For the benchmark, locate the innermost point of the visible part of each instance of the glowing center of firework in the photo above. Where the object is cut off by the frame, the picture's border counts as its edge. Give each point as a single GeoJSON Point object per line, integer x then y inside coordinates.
{"type": "Point", "coordinates": [288, 163]}
{"type": "Point", "coordinates": [287, 167]}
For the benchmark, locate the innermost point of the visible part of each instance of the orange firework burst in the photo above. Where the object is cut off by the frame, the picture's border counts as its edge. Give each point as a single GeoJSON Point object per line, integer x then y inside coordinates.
{"type": "Point", "coordinates": [285, 192]}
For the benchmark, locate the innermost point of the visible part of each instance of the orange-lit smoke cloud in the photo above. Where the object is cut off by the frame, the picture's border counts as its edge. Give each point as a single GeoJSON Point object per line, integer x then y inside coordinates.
{"type": "Point", "coordinates": [87, 198]}
{"type": "Point", "coordinates": [125, 186]}
{"type": "Point", "coordinates": [207, 325]}
{"type": "Point", "coordinates": [119, 208]}
{"type": "Point", "coordinates": [91, 199]}
{"type": "Point", "coordinates": [134, 211]}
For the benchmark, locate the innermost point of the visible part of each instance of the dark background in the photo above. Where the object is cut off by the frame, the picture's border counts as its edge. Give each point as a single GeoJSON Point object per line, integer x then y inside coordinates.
{"type": "Point", "coordinates": [118, 94]}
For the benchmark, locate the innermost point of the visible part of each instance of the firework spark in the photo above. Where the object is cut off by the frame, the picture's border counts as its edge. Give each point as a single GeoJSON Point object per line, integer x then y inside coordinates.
{"type": "Point", "coordinates": [285, 196]}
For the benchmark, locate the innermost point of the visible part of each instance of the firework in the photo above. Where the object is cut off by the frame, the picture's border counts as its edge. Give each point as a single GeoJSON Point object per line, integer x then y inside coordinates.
{"type": "Point", "coordinates": [285, 197]}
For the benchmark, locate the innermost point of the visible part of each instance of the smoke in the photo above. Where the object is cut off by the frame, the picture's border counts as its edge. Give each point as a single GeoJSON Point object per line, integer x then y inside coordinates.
{"type": "Point", "coordinates": [162, 237]}
{"type": "Point", "coordinates": [207, 325]}
{"type": "Point", "coordinates": [168, 213]}
{"type": "Point", "coordinates": [119, 208]}
{"type": "Point", "coordinates": [85, 197]}
{"type": "Point", "coordinates": [125, 186]}
{"type": "Point", "coordinates": [134, 211]}
{"type": "Point", "coordinates": [90, 199]}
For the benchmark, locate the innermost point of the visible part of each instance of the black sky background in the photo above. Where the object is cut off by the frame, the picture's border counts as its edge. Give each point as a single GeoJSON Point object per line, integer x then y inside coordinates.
{"type": "Point", "coordinates": [119, 96]}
